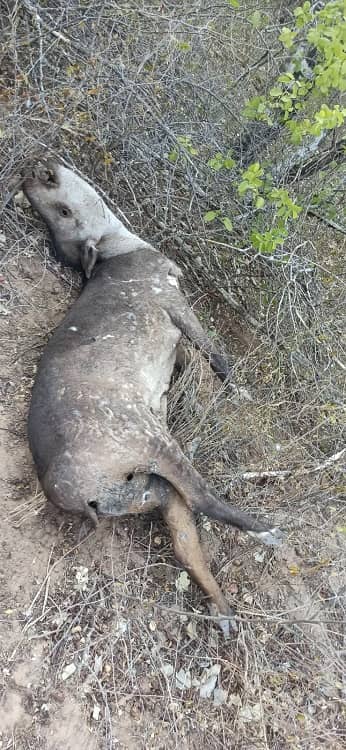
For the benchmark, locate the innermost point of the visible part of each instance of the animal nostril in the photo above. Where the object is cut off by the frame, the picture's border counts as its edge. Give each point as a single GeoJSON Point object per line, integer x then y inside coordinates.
{"type": "Point", "coordinates": [129, 477]}
{"type": "Point", "coordinates": [93, 504]}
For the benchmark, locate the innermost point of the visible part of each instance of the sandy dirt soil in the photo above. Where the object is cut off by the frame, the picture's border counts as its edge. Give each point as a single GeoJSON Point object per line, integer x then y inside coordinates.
{"type": "Point", "coordinates": [63, 603]}
{"type": "Point", "coordinates": [103, 644]}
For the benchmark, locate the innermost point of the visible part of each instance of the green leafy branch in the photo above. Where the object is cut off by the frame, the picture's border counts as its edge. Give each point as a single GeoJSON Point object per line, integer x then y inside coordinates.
{"type": "Point", "coordinates": [184, 144]}
{"type": "Point", "coordinates": [256, 185]}
{"type": "Point", "coordinates": [325, 31]}
{"type": "Point", "coordinates": [295, 92]}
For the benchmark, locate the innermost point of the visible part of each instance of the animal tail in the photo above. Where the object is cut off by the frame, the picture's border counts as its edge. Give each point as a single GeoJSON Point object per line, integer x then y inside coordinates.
{"type": "Point", "coordinates": [173, 465]}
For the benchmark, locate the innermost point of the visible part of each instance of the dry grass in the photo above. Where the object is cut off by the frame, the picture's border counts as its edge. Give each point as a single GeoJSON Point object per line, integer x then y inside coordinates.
{"type": "Point", "coordinates": [109, 88]}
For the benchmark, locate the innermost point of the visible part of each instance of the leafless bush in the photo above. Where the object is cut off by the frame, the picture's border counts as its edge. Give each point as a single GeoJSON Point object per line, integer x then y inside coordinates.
{"type": "Point", "coordinates": [110, 88]}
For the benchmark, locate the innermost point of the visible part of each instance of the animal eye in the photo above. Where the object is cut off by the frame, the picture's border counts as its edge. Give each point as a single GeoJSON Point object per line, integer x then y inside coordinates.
{"type": "Point", "coordinates": [64, 211]}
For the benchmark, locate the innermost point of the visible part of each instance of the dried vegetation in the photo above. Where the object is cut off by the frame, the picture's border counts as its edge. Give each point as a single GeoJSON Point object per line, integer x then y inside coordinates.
{"type": "Point", "coordinates": [106, 628]}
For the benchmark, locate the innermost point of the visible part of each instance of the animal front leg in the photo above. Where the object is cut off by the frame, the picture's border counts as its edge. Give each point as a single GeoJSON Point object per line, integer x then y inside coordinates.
{"type": "Point", "coordinates": [185, 319]}
{"type": "Point", "coordinates": [188, 551]}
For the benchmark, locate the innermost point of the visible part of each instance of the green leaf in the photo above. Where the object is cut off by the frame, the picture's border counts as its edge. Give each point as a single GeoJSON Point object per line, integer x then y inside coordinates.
{"type": "Point", "coordinates": [243, 187]}
{"type": "Point", "coordinates": [233, 3]}
{"type": "Point", "coordinates": [255, 168]}
{"type": "Point", "coordinates": [275, 91]}
{"type": "Point", "coordinates": [256, 109]}
{"type": "Point", "coordinates": [268, 241]}
{"type": "Point", "coordinates": [221, 162]}
{"type": "Point", "coordinates": [259, 202]}
{"type": "Point", "coordinates": [303, 14]}
{"type": "Point", "coordinates": [227, 223]}
{"type": "Point", "coordinates": [256, 19]}
{"type": "Point", "coordinates": [229, 163]}
{"type": "Point", "coordinates": [295, 210]}
{"type": "Point", "coordinates": [287, 37]}
{"type": "Point", "coordinates": [210, 216]}
{"type": "Point", "coordinates": [184, 140]}
{"type": "Point", "coordinates": [216, 162]}
{"type": "Point", "coordinates": [286, 78]}
{"type": "Point", "coordinates": [173, 156]}
{"type": "Point", "coordinates": [251, 179]}
{"type": "Point", "coordinates": [183, 46]}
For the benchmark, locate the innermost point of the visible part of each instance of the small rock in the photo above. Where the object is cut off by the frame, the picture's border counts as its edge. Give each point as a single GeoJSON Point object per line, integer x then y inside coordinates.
{"type": "Point", "coordinates": [98, 664]}
{"type": "Point", "coordinates": [219, 697]}
{"type": "Point", "coordinates": [121, 626]}
{"type": "Point", "coordinates": [248, 598]}
{"type": "Point", "coordinates": [250, 713]}
{"type": "Point", "coordinates": [208, 681]}
{"type": "Point", "coordinates": [234, 700]}
{"type": "Point", "coordinates": [68, 671]}
{"type": "Point", "coordinates": [167, 669]}
{"type": "Point", "coordinates": [183, 581]}
{"type": "Point", "coordinates": [191, 629]}
{"type": "Point", "coordinates": [96, 712]}
{"type": "Point", "coordinates": [82, 578]}
{"type": "Point", "coordinates": [58, 695]}
{"type": "Point", "coordinates": [183, 680]}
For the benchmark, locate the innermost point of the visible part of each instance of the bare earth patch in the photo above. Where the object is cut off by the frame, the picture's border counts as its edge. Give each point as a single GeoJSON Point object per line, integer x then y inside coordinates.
{"type": "Point", "coordinates": [104, 644]}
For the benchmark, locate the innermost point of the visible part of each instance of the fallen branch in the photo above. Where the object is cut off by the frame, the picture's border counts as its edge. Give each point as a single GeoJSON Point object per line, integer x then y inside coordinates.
{"type": "Point", "coordinates": [283, 473]}
{"type": "Point", "coordinates": [39, 21]}
{"type": "Point", "coordinates": [319, 161]}
{"type": "Point", "coordinates": [28, 508]}
{"type": "Point", "coordinates": [275, 618]}
{"type": "Point", "coordinates": [330, 222]}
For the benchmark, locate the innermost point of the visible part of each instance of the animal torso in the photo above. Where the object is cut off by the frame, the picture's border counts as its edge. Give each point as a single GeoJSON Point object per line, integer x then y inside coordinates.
{"type": "Point", "coordinates": [100, 389]}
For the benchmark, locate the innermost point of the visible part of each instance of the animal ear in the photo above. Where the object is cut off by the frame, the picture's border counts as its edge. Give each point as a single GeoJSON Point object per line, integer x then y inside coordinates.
{"type": "Point", "coordinates": [88, 257]}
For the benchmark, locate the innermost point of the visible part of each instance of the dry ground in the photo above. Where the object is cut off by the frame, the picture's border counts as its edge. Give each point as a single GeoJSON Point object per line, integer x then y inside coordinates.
{"type": "Point", "coordinates": [100, 648]}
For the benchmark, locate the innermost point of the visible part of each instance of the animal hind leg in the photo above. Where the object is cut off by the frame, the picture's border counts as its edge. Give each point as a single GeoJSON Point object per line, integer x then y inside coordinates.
{"type": "Point", "coordinates": [188, 551]}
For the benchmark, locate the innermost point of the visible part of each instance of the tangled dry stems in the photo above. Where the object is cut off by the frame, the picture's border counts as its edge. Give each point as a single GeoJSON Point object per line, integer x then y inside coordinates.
{"type": "Point", "coordinates": [109, 88]}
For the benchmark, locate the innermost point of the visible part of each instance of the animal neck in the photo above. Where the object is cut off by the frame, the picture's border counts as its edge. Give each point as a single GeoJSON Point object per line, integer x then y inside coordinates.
{"type": "Point", "coordinates": [118, 241]}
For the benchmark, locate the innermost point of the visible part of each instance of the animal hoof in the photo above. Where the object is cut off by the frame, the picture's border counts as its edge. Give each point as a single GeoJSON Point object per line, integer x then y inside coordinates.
{"type": "Point", "coordinates": [272, 537]}
{"type": "Point", "coordinates": [228, 626]}
{"type": "Point", "coordinates": [226, 623]}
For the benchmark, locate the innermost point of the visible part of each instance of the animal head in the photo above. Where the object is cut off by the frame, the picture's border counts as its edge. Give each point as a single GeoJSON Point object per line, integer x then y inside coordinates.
{"type": "Point", "coordinates": [82, 227]}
